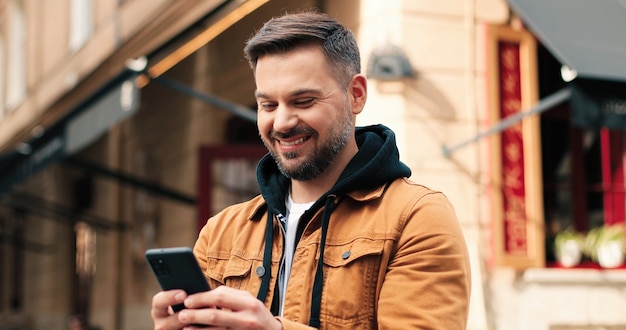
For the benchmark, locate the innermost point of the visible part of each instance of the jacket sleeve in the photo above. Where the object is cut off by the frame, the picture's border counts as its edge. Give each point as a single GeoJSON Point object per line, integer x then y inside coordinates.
{"type": "Point", "coordinates": [427, 281]}
{"type": "Point", "coordinates": [200, 251]}
{"type": "Point", "coordinates": [200, 247]}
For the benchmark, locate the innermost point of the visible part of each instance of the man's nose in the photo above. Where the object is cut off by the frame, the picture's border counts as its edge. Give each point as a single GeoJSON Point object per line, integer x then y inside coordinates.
{"type": "Point", "coordinates": [285, 119]}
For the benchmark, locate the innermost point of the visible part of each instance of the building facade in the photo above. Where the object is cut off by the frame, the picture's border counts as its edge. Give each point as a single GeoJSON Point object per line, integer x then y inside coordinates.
{"type": "Point", "coordinates": [124, 124]}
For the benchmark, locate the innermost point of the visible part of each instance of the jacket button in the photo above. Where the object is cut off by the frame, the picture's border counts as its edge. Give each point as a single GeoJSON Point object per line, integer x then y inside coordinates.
{"type": "Point", "coordinates": [346, 255]}
{"type": "Point", "coordinates": [260, 271]}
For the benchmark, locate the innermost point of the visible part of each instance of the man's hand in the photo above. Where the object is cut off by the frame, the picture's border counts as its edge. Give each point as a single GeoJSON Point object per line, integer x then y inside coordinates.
{"type": "Point", "coordinates": [228, 308]}
{"type": "Point", "coordinates": [221, 308]}
{"type": "Point", "coordinates": [162, 314]}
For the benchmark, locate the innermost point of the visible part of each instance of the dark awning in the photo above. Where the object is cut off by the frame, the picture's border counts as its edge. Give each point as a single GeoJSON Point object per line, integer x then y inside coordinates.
{"type": "Point", "coordinates": [588, 36]}
{"type": "Point", "coordinates": [113, 103]}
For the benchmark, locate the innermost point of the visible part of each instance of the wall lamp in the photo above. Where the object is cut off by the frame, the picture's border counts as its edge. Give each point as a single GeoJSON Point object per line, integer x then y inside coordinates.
{"type": "Point", "coordinates": [389, 63]}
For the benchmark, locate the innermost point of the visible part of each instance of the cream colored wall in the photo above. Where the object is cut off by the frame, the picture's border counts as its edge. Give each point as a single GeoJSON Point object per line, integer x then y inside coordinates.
{"type": "Point", "coordinates": [47, 38]}
{"type": "Point", "coordinates": [445, 102]}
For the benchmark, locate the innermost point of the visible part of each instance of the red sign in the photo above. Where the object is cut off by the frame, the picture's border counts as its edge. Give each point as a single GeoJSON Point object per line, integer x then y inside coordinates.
{"type": "Point", "coordinates": [512, 152]}
{"type": "Point", "coordinates": [516, 182]}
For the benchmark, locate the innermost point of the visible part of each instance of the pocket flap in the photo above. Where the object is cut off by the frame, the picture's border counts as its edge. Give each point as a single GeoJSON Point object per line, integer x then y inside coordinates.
{"type": "Point", "coordinates": [338, 255]}
{"type": "Point", "coordinates": [220, 269]}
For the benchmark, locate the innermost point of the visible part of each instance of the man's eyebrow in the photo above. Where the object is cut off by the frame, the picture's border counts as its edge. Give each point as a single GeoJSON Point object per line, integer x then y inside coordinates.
{"type": "Point", "coordinates": [260, 95]}
{"type": "Point", "coordinates": [305, 91]}
{"type": "Point", "coordinates": [297, 92]}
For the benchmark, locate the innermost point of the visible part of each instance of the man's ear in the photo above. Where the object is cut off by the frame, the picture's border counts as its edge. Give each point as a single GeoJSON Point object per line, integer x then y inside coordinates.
{"type": "Point", "coordinates": [358, 93]}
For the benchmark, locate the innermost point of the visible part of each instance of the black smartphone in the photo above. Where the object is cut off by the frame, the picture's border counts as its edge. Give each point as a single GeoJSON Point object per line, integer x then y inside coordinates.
{"type": "Point", "coordinates": [177, 268]}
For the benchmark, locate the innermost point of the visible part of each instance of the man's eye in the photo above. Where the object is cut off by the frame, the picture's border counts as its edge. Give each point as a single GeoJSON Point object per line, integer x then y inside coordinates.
{"type": "Point", "coordinates": [304, 102]}
{"type": "Point", "coordinates": [267, 106]}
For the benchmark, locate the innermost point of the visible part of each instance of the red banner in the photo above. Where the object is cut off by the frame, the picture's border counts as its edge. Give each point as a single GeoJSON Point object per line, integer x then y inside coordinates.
{"type": "Point", "coordinates": [512, 153]}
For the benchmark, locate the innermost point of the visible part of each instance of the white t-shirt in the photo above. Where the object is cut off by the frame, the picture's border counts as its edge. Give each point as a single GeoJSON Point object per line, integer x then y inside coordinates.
{"type": "Point", "coordinates": [294, 212]}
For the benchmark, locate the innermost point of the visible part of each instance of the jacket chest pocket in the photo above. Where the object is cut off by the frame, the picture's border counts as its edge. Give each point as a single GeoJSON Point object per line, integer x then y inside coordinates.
{"type": "Point", "coordinates": [234, 271]}
{"type": "Point", "coordinates": [350, 282]}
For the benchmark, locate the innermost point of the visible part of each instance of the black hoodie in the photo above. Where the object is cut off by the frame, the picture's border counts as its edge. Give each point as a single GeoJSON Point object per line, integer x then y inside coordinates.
{"type": "Point", "coordinates": [376, 163]}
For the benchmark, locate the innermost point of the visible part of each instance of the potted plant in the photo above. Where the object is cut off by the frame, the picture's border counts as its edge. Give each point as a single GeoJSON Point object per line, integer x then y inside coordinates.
{"type": "Point", "coordinates": [568, 247]}
{"type": "Point", "coordinates": [606, 245]}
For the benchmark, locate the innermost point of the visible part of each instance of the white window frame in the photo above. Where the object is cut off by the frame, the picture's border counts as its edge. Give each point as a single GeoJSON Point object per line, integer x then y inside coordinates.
{"type": "Point", "coordinates": [81, 23]}
{"type": "Point", "coordinates": [16, 57]}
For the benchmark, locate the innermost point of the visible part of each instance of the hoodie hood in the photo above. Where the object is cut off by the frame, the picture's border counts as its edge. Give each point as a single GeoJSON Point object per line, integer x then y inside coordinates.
{"type": "Point", "coordinates": [376, 162]}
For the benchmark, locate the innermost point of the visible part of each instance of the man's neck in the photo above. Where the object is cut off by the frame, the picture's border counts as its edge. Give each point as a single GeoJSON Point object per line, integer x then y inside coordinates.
{"type": "Point", "coordinates": [312, 190]}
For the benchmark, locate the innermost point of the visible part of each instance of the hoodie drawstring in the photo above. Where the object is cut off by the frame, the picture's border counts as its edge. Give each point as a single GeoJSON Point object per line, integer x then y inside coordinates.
{"type": "Point", "coordinates": [267, 258]}
{"type": "Point", "coordinates": [316, 295]}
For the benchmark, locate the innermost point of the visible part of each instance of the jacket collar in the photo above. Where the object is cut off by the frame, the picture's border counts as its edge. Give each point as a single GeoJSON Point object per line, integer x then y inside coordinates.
{"type": "Point", "coordinates": [259, 206]}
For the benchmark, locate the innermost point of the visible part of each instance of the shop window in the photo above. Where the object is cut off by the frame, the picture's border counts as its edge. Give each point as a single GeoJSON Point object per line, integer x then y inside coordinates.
{"type": "Point", "coordinates": [227, 176]}
{"type": "Point", "coordinates": [582, 168]}
{"type": "Point", "coordinates": [583, 176]}
{"type": "Point", "coordinates": [228, 172]}
{"type": "Point", "coordinates": [547, 174]}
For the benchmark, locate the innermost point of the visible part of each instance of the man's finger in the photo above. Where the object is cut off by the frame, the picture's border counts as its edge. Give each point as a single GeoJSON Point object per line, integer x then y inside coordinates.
{"type": "Point", "coordinates": [222, 297]}
{"type": "Point", "coordinates": [162, 301]}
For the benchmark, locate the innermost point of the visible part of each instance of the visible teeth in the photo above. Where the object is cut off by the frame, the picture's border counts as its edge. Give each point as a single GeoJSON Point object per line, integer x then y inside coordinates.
{"type": "Point", "coordinates": [293, 143]}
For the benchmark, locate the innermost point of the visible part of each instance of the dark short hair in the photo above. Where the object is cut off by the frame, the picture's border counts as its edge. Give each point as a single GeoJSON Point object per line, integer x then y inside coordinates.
{"type": "Point", "coordinates": [290, 31]}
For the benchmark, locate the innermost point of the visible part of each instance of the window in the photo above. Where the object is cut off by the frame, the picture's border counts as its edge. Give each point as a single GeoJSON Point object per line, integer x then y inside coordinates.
{"type": "Point", "coordinates": [583, 175]}
{"type": "Point", "coordinates": [16, 60]}
{"type": "Point", "coordinates": [582, 168]}
{"type": "Point", "coordinates": [548, 174]}
{"type": "Point", "coordinates": [85, 268]}
{"type": "Point", "coordinates": [227, 175]}
{"type": "Point", "coordinates": [81, 23]}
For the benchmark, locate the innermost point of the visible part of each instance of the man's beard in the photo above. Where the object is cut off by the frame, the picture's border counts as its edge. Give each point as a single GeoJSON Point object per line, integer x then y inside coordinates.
{"type": "Point", "coordinates": [321, 158]}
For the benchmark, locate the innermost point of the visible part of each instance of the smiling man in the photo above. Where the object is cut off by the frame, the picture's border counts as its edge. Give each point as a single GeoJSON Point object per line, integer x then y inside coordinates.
{"type": "Point", "coordinates": [339, 238]}
{"type": "Point", "coordinates": [306, 118]}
